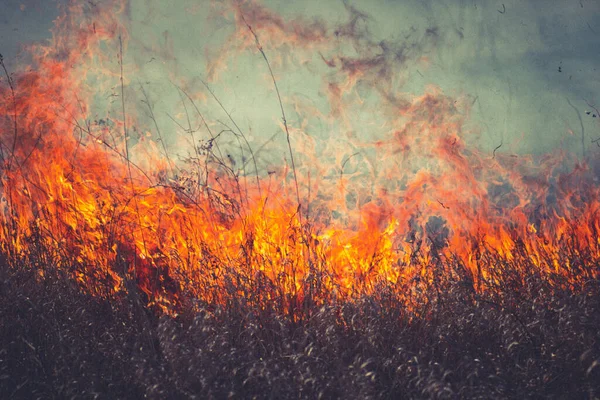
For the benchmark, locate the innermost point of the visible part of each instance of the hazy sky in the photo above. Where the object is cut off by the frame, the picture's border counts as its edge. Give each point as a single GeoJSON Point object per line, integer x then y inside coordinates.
{"type": "Point", "coordinates": [22, 22]}
{"type": "Point", "coordinates": [521, 62]}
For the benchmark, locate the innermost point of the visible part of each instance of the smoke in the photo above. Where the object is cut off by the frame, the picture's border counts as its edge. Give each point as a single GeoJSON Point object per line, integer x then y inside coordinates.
{"type": "Point", "coordinates": [408, 123]}
{"type": "Point", "coordinates": [527, 70]}
{"type": "Point", "coordinates": [22, 23]}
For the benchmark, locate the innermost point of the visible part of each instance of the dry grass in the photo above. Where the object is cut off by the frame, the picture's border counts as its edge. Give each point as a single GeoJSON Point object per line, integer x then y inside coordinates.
{"type": "Point", "coordinates": [531, 337]}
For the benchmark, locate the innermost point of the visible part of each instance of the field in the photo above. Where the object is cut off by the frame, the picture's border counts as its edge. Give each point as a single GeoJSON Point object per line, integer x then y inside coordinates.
{"type": "Point", "coordinates": [191, 260]}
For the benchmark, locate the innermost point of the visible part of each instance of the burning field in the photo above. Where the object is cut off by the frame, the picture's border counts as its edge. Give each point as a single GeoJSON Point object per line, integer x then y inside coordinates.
{"type": "Point", "coordinates": [281, 210]}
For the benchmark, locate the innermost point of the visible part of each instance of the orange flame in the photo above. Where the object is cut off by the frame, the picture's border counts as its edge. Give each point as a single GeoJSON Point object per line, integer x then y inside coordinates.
{"type": "Point", "coordinates": [392, 210]}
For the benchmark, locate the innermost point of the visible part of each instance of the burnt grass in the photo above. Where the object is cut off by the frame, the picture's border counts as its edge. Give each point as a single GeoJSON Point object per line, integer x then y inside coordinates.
{"type": "Point", "coordinates": [531, 338]}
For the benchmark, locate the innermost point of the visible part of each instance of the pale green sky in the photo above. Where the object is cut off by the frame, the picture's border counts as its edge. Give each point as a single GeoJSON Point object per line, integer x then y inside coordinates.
{"type": "Point", "coordinates": [508, 61]}
{"type": "Point", "coordinates": [520, 61]}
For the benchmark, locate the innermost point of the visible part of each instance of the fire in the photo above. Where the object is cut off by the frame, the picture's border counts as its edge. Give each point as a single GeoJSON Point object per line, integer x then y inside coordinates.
{"type": "Point", "coordinates": [96, 197]}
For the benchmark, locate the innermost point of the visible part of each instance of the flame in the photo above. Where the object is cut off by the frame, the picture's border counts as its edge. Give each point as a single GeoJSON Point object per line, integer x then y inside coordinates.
{"type": "Point", "coordinates": [98, 198]}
